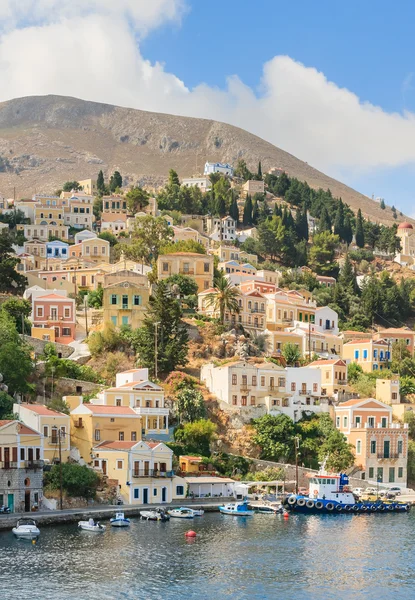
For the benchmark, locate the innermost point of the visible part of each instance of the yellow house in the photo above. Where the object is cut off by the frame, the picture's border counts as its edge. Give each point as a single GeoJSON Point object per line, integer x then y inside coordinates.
{"type": "Point", "coordinates": [21, 466]}
{"type": "Point", "coordinates": [52, 424]}
{"type": "Point", "coordinates": [197, 266]}
{"type": "Point", "coordinates": [93, 249]}
{"type": "Point", "coordinates": [333, 375]}
{"type": "Point", "coordinates": [49, 215]}
{"type": "Point", "coordinates": [187, 233]}
{"type": "Point", "coordinates": [89, 186]}
{"type": "Point", "coordinates": [125, 302]}
{"type": "Point", "coordinates": [192, 464]}
{"type": "Point", "coordinates": [92, 424]}
{"type": "Point", "coordinates": [371, 355]}
{"type": "Point", "coordinates": [143, 471]}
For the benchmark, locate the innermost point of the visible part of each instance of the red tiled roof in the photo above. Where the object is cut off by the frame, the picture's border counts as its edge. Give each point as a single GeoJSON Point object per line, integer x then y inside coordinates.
{"type": "Point", "coordinates": [100, 409]}
{"type": "Point", "coordinates": [42, 410]}
{"type": "Point", "coordinates": [53, 297]}
{"type": "Point", "coordinates": [117, 445]}
{"type": "Point", "coordinates": [4, 422]}
{"type": "Point", "coordinates": [333, 361]}
{"type": "Point", "coordinates": [111, 217]}
{"type": "Point", "coordinates": [152, 444]}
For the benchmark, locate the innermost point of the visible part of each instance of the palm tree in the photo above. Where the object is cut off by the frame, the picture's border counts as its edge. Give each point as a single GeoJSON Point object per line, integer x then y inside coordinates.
{"type": "Point", "coordinates": [224, 298]}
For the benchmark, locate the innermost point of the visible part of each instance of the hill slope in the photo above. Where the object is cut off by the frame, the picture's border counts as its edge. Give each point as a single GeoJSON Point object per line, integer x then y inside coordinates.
{"type": "Point", "coordinates": [46, 140]}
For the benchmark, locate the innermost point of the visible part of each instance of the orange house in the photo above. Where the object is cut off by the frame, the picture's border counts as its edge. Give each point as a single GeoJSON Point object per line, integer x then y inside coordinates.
{"type": "Point", "coordinates": [56, 312]}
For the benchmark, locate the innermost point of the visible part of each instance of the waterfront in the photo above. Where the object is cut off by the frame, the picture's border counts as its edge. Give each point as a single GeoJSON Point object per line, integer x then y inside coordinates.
{"type": "Point", "coordinates": [330, 557]}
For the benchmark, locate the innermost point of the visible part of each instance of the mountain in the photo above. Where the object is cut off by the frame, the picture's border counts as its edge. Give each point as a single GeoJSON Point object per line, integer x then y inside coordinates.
{"type": "Point", "coordinates": [47, 140]}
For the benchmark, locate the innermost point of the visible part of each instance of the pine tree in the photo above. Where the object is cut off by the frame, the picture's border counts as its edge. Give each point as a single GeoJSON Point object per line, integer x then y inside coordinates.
{"type": "Point", "coordinates": [394, 213]}
{"type": "Point", "coordinates": [247, 218]}
{"type": "Point", "coordinates": [277, 210]}
{"type": "Point", "coordinates": [234, 210]}
{"type": "Point", "coordinates": [338, 228]}
{"type": "Point", "coordinates": [220, 205]}
{"type": "Point", "coordinates": [259, 170]}
{"type": "Point", "coordinates": [359, 234]}
{"type": "Point", "coordinates": [347, 230]}
{"type": "Point", "coordinates": [347, 276]}
{"type": "Point", "coordinates": [263, 211]}
{"type": "Point", "coordinates": [382, 204]}
{"type": "Point", "coordinates": [255, 212]}
{"type": "Point", "coordinates": [325, 223]}
{"type": "Point", "coordinates": [115, 181]}
{"type": "Point", "coordinates": [173, 178]}
{"type": "Point", "coordinates": [101, 182]}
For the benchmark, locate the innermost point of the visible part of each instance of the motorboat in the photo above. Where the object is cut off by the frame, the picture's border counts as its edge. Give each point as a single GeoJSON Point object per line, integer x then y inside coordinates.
{"type": "Point", "coordinates": [119, 520]}
{"type": "Point", "coordinates": [26, 529]}
{"type": "Point", "coordinates": [238, 509]}
{"type": "Point", "coordinates": [266, 509]}
{"type": "Point", "coordinates": [157, 514]}
{"type": "Point", "coordinates": [90, 525]}
{"type": "Point", "coordinates": [182, 513]}
{"type": "Point", "coordinates": [197, 512]}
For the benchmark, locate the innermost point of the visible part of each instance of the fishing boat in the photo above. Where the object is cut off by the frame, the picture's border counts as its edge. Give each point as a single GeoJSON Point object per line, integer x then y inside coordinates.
{"type": "Point", "coordinates": [90, 525]}
{"type": "Point", "coordinates": [182, 513]}
{"type": "Point", "coordinates": [157, 514]}
{"type": "Point", "coordinates": [266, 509]}
{"type": "Point", "coordinates": [238, 509]}
{"type": "Point", "coordinates": [332, 494]}
{"type": "Point", "coordinates": [197, 512]}
{"type": "Point", "coordinates": [26, 529]}
{"type": "Point", "coordinates": [119, 520]}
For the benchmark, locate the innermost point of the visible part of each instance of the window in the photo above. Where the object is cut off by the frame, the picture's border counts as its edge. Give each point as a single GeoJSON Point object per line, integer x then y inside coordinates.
{"type": "Point", "coordinates": [358, 421]}
{"type": "Point", "coordinates": [66, 331]}
{"type": "Point", "coordinates": [364, 354]}
{"type": "Point", "coordinates": [136, 493]}
{"type": "Point", "coordinates": [380, 474]}
{"type": "Point", "coordinates": [375, 354]}
{"type": "Point", "coordinates": [271, 383]}
{"type": "Point", "coordinates": [391, 474]}
{"type": "Point", "coordinates": [234, 380]}
{"type": "Point", "coordinates": [262, 381]}
{"type": "Point", "coordinates": [155, 492]}
{"type": "Point", "coordinates": [66, 313]}
{"type": "Point", "coordinates": [206, 267]}
{"type": "Point", "coordinates": [121, 436]}
{"type": "Point", "coordinates": [400, 446]}
{"type": "Point", "coordinates": [243, 401]}
{"type": "Point", "coordinates": [338, 422]}
{"type": "Point", "coordinates": [358, 446]}
{"type": "Point", "coordinates": [137, 300]}
{"type": "Point", "coordinates": [103, 250]}
{"type": "Point", "coordinates": [97, 435]}
{"type": "Point", "coordinates": [356, 354]}
{"type": "Point", "coordinates": [373, 447]}
{"type": "Point", "coordinates": [400, 472]}
{"type": "Point", "coordinates": [394, 396]}
{"type": "Point", "coordinates": [315, 387]}
{"type": "Point", "coordinates": [120, 464]}
{"type": "Point", "coordinates": [293, 386]}
{"type": "Point", "coordinates": [179, 490]}
{"type": "Point", "coordinates": [118, 402]}
{"type": "Point", "coordinates": [114, 299]}
{"type": "Point", "coordinates": [39, 311]}
{"type": "Point", "coordinates": [46, 431]}
{"type": "Point", "coordinates": [371, 472]}
{"type": "Point", "coordinates": [234, 400]}
{"type": "Point", "coordinates": [384, 422]}
{"type": "Point", "coordinates": [281, 382]}
{"type": "Point", "coordinates": [371, 421]}
{"type": "Point", "coordinates": [133, 436]}
{"type": "Point", "coordinates": [345, 421]}
{"type": "Point", "coordinates": [125, 301]}
{"type": "Point", "coordinates": [327, 375]}
{"type": "Point", "coordinates": [22, 453]}
{"type": "Point", "coordinates": [253, 379]}
{"type": "Point", "coordinates": [253, 400]}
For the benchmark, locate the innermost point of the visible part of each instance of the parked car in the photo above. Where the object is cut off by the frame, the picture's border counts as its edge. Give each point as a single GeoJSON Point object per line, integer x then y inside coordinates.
{"type": "Point", "coordinates": [395, 490]}
{"type": "Point", "coordinates": [358, 491]}
{"type": "Point", "coordinates": [370, 490]}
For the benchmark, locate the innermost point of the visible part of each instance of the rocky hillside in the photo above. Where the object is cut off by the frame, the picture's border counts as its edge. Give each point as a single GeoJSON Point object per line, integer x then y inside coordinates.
{"type": "Point", "coordinates": [46, 140]}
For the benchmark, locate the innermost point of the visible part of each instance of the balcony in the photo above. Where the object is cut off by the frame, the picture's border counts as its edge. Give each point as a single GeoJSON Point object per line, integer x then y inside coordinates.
{"type": "Point", "coordinates": [245, 389]}
{"type": "Point", "coordinates": [8, 465]}
{"type": "Point", "coordinates": [258, 310]}
{"type": "Point", "coordinates": [78, 423]}
{"type": "Point", "coordinates": [387, 456]}
{"type": "Point", "coordinates": [304, 392]}
{"type": "Point", "coordinates": [186, 271]}
{"type": "Point", "coordinates": [34, 464]}
{"type": "Point", "coordinates": [151, 411]}
{"type": "Point", "coordinates": [152, 473]}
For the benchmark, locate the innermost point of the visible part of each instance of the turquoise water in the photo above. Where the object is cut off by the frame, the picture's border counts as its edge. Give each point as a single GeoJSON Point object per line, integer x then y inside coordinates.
{"type": "Point", "coordinates": [259, 557]}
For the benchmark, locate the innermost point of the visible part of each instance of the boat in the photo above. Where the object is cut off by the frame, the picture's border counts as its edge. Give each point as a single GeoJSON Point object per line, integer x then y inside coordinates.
{"type": "Point", "coordinates": [91, 526]}
{"type": "Point", "coordinates": [197, 512]}
{"type": "Point", "coordinates": [238, 509]}
{"type": "Point", "coordinates": [26, 529]}
{"type": "Point", "coordinates": [119, 520]}
{"type": "Point", "coordinates": [331, 494]}
{"type": "Point", "coordinates": [266, 509]}
{"type": "Point", "coordinates": [182, 513]}
{"type": "Point", "coordinates": [157, 514]}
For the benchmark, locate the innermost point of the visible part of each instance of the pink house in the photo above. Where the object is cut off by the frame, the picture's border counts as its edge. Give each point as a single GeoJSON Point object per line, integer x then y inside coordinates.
{"type": "Point", "coordinates": [54, 311]}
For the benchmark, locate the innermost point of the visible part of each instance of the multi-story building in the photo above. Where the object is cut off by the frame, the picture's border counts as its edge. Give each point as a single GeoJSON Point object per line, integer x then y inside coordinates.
{"type": "Point", "coordinates": [284, 307]}
{"type": "Point", "coordinates": [44, 232]}
{"type": "Point", "coordinates": [114, 204]}
{"type": "Point", "coordinates": [371, 355]}
{"type": "Point", "coordinates": [251, 313]}
{"type": "Point", "coordinates": [57, 249]}
{"type": "Point", "coordinates": [83, 235]}
{"type": "Point", "coordinates": [54, 426]}
{"type": "Point", "coordinates": [259, 285]}
{"type": "Point", "coordinates": [197, 266]}
{"type": "Point", "coordinates": [223, 168]}
{"type": "Point", "coordinates": [50, 215]}
{"type": "Point", "coordinates": [125, 302]}
{"type": "Point", "coordinates": [380, 445]}
{"type": "Point", "coordinates": [184, 234]}
{"type": "Point", "coordinates": [221, 229]}
{"type": "Point", "coordinates": [21, 466]}
{"type": "Point", "coordinates": [203, 183]}
{"type": "Point", "coordinates": [232, 266]}
{"type": "Point", "coordinates": [326, 320]}
{"type": "Point", "coordinates": [114, 222]}
{"type": "Point", "coordinates": [406, 235]}
{"type": "Point", "coordinates": [93, 249]}
{"type": "Point", "coordinates": [393, 335]}
{"type": "Point", "coordinates": [269, 276]}
{"type": "Point", "coordinates": [52, 311]}
{"type": "Point", "coordinates": [333, 375]}
{"type": "Point", "coordinates": [89, 186]}
{"type": "Point", "coordinates": [79, 214]}
{"type": "Point", "coordinates": [226, 253]}
{"type": "Point", "coordinates": [253, 186]}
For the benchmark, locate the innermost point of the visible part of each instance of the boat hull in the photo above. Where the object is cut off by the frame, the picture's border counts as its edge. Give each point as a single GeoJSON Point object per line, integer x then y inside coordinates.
{"type": "Point", "coordinates": [26, 535]}
{"type": "Point", "coordinates": [85, 526]}
{"type": "Point", "coordinates": [236, 513]}
{"type": "Point", "coordinates": [120, 523]}
{"type": "Point", "coordinates": [323, 506]}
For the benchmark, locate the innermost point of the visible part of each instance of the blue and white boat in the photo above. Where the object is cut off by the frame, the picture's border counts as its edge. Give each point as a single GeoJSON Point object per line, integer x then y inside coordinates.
{"type": "Point", "coordinates": [332, 494]}
{"type": "Point", "coordinates": [119, 520]}
{"type": "Point", "coordinates": [237, 509]}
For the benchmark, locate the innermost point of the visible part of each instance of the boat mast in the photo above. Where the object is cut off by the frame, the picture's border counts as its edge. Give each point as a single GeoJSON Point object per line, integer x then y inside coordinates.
{"type": "Point", "coordinates": [296, 445]}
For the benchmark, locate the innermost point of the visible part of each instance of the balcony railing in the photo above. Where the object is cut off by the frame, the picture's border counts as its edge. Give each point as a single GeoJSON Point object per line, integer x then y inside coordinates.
{"type": "Point", "coordinates": [34, 464]}
{"type": "Point", "coordinates": [258, 310]}
{"type": "Point", "coordinates": [388, 455]}
{"type": "Point", "coordinates": [8, 465]}
{"type": "Point", "coordinates": [187, 271]}
{"type": "Point", "coordinates": [152, 473]}
{"type": "Point", "coordinates": [78, 423]}
{"type": "Point", "coordinates": [146, 410]}
{"type": "Point", "coordinates": [244, 388]}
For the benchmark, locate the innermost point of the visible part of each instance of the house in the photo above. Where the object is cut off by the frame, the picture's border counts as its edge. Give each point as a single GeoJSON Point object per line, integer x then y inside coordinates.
{"type": "Point", "coordinates": [113, 222]}
{"type": "Point", "coordinates": [251, 313]}
{"type": "Point", "coordinates": [393, 335]}
{"type": "Point", "coordinates": [257, 284]}
{"type": "Point", "coordinates": [187, 233]}
{"type": "Point", "coordinates": [326, 320]}
{"type": "Point", "coordinates": [325, 345]}
{"type": "Point", "coordinates": [125, 303]}
{"type": "Point", "coordinates": [371, 355]}
{"type": "Point", "coordinates": [89, 186]}
{"type": "Point", "coordinates": [223, 168]}
{"type": "Point", "coordinates": [284, 307]}
{"type": "Point", "coordinates": [197, 266]}
{"type": "Point", "coordinates": [192, 464]}
{"type": "Point", "coordinates": [253, 186]}
{"type": "Point", "coordinates": [221, 229]}
{"type": "Point", "coordinates": [55, 428]}
{"type": "Point", "coordinates": [406, 235]}
{"type": "Point", "coordinates": [269, 276]}
{"type": "Point", "coordinates": [93, 249]}
{"type": "Point", "coordinates": [57, 249]}
{"type": "Point", "coordinates": [380, 445]}
{"type": "Point", "coordinates": [50, 215]}
{"type": "Point", "coordinates": [43, 232]}
{"type": "Point", "coordinates": [226, 253]}
{"type": "Point", "coordinates": [79, 214]}
{"type": "Point", "coordinates": [233, 266]}
{"type": "Point", "coordinates": [211, 487]}
{"type": "Point", "coordinates": [333, 375]}
{"type": "Point", "coordinates": [114, 204]}
{"type": "Point", "coordinates": [92, 424]}
{"type": "Point", "coordinates": [21, 466]}
{"type": "Point", "coordinates": [54, 311]}
{"type": "Point", "coordinates": [83, 235]}
{"type": "Point", "coordinates": [326, 281]}
{"type": "Point", "coordinates": [203, 183]}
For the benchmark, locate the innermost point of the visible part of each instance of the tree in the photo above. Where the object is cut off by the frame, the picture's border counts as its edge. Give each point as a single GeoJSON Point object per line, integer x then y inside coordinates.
{"type": "Point", "coordinates": [109, 237]}
{"type": "Point", "coordinates": [347, 278]}
{"type": "Point", "coordinates": [190, 405]}
{"type": "Point", "coordinates": [382, 204]}
{"type": "Point", "coordinates": [234, 210]}
{"type": "Point", "coordinates": [173, 178]}
{"type": "Point", "coordinates": [172, 336]}
{"type": "Point", "coordinates": [259, 170]}
{"type": "Point", "coordinates": [338, 227]}
{"type": "Point", "coordinates": [353, 372]}
{"type": "Point", "coordinates": [322, 253]}
{"type": "Point", "coordinates": [224, 298]}
{"type": "Point", "coordinates": [301, 224]}
{"type": "Point", "coordinates": [336, 452]}
{"type": "Point", "coordinates": [101, 183]}
{"type": "Point", "coordinates": [197, 436]}
{"type": "Point", "coordinates": [275, 436]}
{"type": "Point", "coordinates": [68, 186]}
{"type": "Point", "coordinates": [394, 213]}
{"type": "Point", "coordinates": [242, 171]}
{"type": "Point", "coordinates": [148, 236]}
{"type": "Point", "coordinates": [115, 181]}
{"type": "Point", "coordinates": [324, 223]}
{"type": "Point", "coordinates": [291, 353]}
{"type": "Point", "coordinates": [282, 185]}
{"type": "Point", "coordinates": [77, 480]}
{"type": "Point", "coordinates": [220, 206]}
{"type": "Point", "coordinates": [255, 212]}
{"type": "Point", "coordinates": [407, 386]}
{"type": "Point", "coordinates": [16, 364]}
{"type": "Point", "coordinates": [247, 217]}
{"type": "Point", "coordinates": [6, 406]}
{"type": "Point", "coordinates": [11, 281]}
{"type": "Point", "coordinates": [186, 285]}
{"type": "Point", "coordinates": [359, 234]}
{"type": "Point", "coordinates": [18, 309]}
{"type": "Point", "coordinates": [183, 246]}
{"type": "Point", "coordinates": [95, 298]}
{"type": "Point", "coordinates": [347, 230]}
{"type": "Point", "coordinates": [137, 199]}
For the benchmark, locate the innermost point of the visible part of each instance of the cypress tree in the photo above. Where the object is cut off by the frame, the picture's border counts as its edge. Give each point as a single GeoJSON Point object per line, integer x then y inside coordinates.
{"type": "Point", "coordinates": [234, 210]}
{"type": "Point", "coordinates": [382, 204]}
{"type": "Point", "coordinates": [259, 170]}
{"type": "Point", "coordinates": [347, 277]}
{"type": "Point", "coordinates": [359, 234]}
{"type": "Point", "coordinates": [247, 218]}
{"type": "Point", "coordinates": [100, 182]}
{"type": "Point", "coordinates": [338, 228]}
{"type": "Point", "coordinates": [255, 212]}
{"type": "Point", "coordinates": [277, 210]}
{"type": "Point", "coordinates": [220, 206]}
{"type": "Point", "coordinates": [301, 223]}
{"type": "Point", "coordinates": [348, 232]}
{"type": "Point", "coordinates": [263, 211]}
{"type": "Point", "coordinates": [325, 223]}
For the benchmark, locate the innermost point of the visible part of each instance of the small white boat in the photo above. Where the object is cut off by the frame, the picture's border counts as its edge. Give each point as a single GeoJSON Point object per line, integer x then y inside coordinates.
{"type": "Point", "coordinates": [157, 514]}
{"type": "Point", "coordinates": [238, 509]}
{"type": "Point", "coordinates": [26, 529]}
{"type": "Point", "coordinates": [119, 520]}
{"type": "Point", "coordinates": [196, 512]}
{"type": "Point", "coordinates": [182, 513]}
{"type": "Point", "coordinates": [91, 526]}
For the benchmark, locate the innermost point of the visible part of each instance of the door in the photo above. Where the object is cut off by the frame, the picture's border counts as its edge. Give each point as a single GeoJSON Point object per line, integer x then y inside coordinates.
{"type": "Point", "coordinates": [27, 501]}
{"type": "Point", "coordinates": [386, 449]}
{"type": "Point", "coordinates": [104, 467]}
{"type": "Point", "coordinates": [10, 502]}
{"type": "Point", "coordinates": [145, 495]}
{"type": "Point", "coordinates": [164, 494]}
{"type": "Point", "coordinates": [146, 467]}
{"type": "Point", "coordinates": [7, 458]}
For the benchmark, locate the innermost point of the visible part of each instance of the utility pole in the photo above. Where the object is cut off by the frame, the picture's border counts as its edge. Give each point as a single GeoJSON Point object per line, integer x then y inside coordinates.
{"type": "Point", "coordinates": [309, 340]}
{"type": "Point", "coordinates": [86, 314]}
{"type": "Point", "coordinates": [155, 349]}
{"type": "Point", "coordinates": [60, 470]}
{"type": "Point", "coordinates": [297, 445]}
{"type": "Point", "coordinates": [23, 327]}
{"type": "Point", "coordinates": [52, 370]}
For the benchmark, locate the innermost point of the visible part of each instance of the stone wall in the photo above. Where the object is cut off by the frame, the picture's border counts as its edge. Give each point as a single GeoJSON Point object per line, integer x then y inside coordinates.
{"type": "Point", "coordinates": [17, 482]}
{"type": "Point", "coordinates": [39, 347]}
{"type": "Point", "coordinates": [76, 387]}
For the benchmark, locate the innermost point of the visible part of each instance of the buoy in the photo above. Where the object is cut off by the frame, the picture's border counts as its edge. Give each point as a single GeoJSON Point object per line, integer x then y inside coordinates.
{"type": "Point", "coordinates": [286, 515]}
{"type": "Point", "coordinates": [190, 534]}
{"type": "Point", "coordinates": [34, 541]}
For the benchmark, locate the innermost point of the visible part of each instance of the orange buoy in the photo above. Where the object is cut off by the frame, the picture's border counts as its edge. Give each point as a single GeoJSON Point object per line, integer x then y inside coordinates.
{"type": "Point", "coordinates": [190, 534]}
{"type": "Point", "coordinates": [286, 515]}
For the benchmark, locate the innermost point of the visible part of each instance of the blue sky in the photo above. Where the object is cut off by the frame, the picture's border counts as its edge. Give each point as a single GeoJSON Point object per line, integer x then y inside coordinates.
{"type": "Point", "coordinates": [333, 83]}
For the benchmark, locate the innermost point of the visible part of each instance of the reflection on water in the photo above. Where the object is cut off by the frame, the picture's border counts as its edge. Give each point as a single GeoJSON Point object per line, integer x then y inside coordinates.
{"type": "Point", "coordinates": [264, 556]}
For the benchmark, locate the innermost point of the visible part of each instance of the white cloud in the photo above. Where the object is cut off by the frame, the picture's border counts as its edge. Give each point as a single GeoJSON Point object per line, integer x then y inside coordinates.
{"type": "Point", "coordinates": [88, 49]}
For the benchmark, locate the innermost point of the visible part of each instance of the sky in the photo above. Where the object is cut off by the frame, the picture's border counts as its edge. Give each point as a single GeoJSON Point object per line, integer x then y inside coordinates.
{"type": "Point", "coordinates": [333, 83]}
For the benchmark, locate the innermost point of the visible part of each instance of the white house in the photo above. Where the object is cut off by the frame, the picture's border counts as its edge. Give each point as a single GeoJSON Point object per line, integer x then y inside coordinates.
{"type": "Point", "coordinates": [221, 229]}
{"type": "Point", "coordinates": [81, 236]}
{"type": "Point", "coordinates": [223, 168]}
{"type": "Point", "coordinates": [203, 183]}
{"type": "Point", "coordinates": [113, 222]}
{"type": "Point", "coordinates": [326, 320]}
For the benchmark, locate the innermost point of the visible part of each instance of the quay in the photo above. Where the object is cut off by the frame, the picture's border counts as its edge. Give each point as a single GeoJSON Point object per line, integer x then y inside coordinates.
{"type": "Point", "coordinates": [106, 511]}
